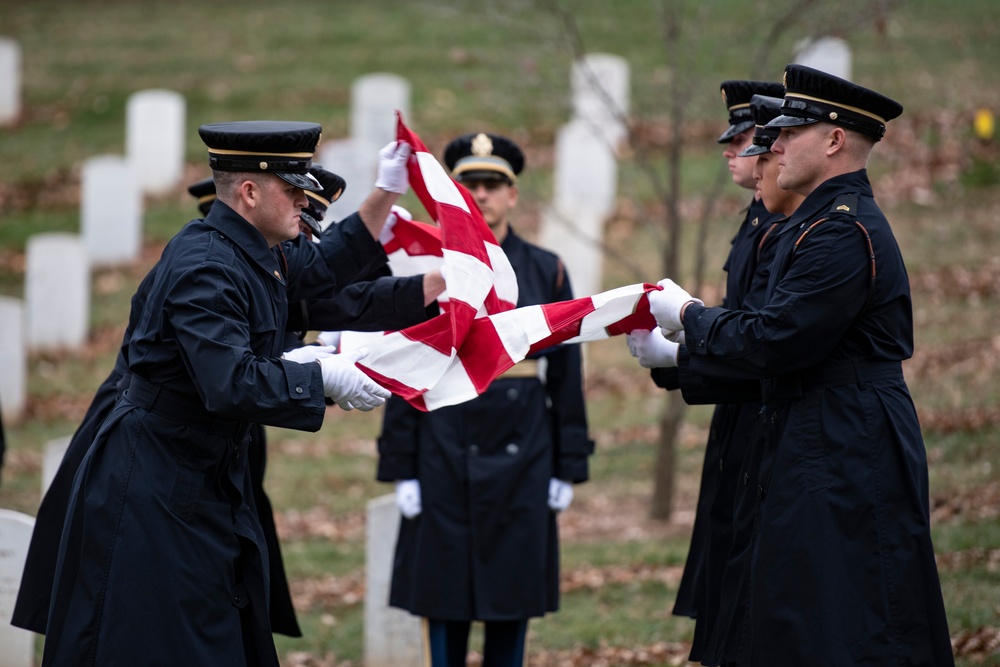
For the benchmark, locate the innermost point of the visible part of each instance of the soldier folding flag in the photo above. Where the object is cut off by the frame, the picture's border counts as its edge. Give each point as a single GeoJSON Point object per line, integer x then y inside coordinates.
{"type": "Point", "coordinates": [453, 357]}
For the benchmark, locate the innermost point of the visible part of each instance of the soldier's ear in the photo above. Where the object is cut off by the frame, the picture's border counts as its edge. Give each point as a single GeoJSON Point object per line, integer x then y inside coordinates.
{"type": "Point", "coordinates": [836, 139]}
{"type": "Point", "coordinates": [249, 193]}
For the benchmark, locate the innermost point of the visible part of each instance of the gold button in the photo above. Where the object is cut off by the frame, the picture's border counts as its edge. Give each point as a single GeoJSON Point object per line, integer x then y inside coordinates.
{"type": "Point", "coordinates": [833, 115]}
{"type": "Point", "coordinates": [263, 165]}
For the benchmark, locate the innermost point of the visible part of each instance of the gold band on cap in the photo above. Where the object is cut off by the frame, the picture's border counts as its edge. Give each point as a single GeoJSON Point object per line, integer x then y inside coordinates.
{"type": "Point", "coordinates": [204, 199]}
{"type": "Point", "coordinates": [226, 151]}
{"type": "Point", "coordinates": [744, 105]}
{"type": "Point", "coordinates": [837, 104]}
{"type": "Point", "coordinates": [493, 163]}
{"type": "Point", "coordinates": [321, 200]}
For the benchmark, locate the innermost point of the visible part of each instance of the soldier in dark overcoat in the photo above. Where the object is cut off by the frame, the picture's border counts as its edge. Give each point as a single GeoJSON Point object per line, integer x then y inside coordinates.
{"type": "Point", "coordinates": [737, 398]}
{"type": "Point", "coordinates": [841, 568]}
{"type": "Point", "coordinates": [367, 305]}
{"type": "Point", "coordinates": [479, 484]}
{"type": "Point", "coordinates": [162, 558]}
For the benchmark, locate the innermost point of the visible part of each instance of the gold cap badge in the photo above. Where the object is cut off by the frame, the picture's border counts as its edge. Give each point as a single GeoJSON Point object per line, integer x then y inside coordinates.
{"type": "Point", "coordinates": [482, 145]}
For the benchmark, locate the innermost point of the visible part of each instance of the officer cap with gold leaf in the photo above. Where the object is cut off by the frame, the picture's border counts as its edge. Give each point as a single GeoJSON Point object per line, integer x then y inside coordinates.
{"type": "Point", "coordinates": [813, 96]}
{"type": "Point", "coordinates": [283, 148]}
{"type": "Point", "coordinates": [736, 96]}
{"type": "Point", "coordinates": [484, 156]}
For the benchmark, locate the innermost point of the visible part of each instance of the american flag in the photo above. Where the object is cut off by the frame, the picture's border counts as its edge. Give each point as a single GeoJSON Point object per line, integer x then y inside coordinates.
{"type": "Point", "coordinates": [480, 333]}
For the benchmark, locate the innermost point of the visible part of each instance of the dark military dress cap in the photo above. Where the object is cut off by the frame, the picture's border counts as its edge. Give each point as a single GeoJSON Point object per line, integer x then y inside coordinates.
{"type": "Point", "coordinates": [484, 156]}
{"type": "Point", "coordinates": [204, 192]}
{"type": "Point", "coordinates": [764, 110]}
{"type": "Point", "coordinates": [812, 96]}
{"type": "Point", "coordinates": [333, 187]}
{"type": "Point", "coordinates": [736, 96]}
{"type": "Point", "coordinates": [283, 148]}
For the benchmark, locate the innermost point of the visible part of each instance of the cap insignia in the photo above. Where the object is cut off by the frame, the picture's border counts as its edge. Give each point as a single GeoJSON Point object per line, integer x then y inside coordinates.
{"type": "Point", "coordinates": [263, 165]}
{"type": "Point", "coordinates": [833, 115]}
{"type": "Point", "coordinates": [843, 207]}
{"type": "Point", "coordinates": [784, 79]}
{"type": "Point", "coordinates": [723, 91]}
{"type": "Point", "coordinates": [482, 145]}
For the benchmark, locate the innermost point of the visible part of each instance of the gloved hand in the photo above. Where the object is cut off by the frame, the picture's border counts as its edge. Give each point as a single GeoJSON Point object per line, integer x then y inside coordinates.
{"type": "Point", "coordinates": [347, 385]}
{"type": "Point", "coordinates": [309, 353]}
{"type": "Point", "coordinates": [392, 175]}
{"type": "Point", "coordinates": [408, 497]}
{"type": "Point", "coordinates": [331, 338]}
{"type": "Point", "coordinates": [666, 304]}
{"type": "Point", "coordinates": [560, 494]}
{"type": "Point", "coordinates": [652, 349]}
{"type": "Point", "coordinates": [674, 336]}
{"type": "Point", "coordinates": [395, 214]}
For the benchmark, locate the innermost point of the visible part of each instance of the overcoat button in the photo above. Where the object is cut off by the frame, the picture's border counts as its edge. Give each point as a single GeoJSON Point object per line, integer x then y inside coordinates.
{"type": "Point", "coordinates": [512, 394]}
{"type": "Point", "coordinates": [473, 450]}
{"type": "Point", "coordinates": [512, 449]}
{"type": "Point", "coordinates": [746, 478]}
{"type": "Point", "coordinates": [298, 390]}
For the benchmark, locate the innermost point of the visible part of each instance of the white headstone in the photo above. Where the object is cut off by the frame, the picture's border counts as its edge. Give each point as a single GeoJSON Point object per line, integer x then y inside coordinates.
{"type": "Point", "coordinates": [599, 85]}
{"type": "Point", "coordinates": [57, 291]}
{"type": "Point", "coordinates": [110, 210]}
{"type": "Point", "coordinates": [13, 359]}
{"type": "Point", "coordinates": [586, 171]}
{"type": "Point", "coordinates": [55, 450]}
{"type": "Point", "coordinates": [154, 138]}
{"type": "Point", "coordinates": [375, 99]}
{"type": "Point", "coordinates": [10, 81]}
{"type": "Point", "coordinates": [827, 54]}
{"type": "Point", "coordinates": [393, 637]}
{"type": "Point", "coordinates": [17, 646]}
{"type": "Point", "coordinates": [577, 239]}
{"type": "Point", "coordinates": [341, 157]}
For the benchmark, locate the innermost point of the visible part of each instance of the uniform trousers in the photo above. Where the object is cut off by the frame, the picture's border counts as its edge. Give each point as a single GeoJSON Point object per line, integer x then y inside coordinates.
{"type": "Point", "coordinates": [503, 643]}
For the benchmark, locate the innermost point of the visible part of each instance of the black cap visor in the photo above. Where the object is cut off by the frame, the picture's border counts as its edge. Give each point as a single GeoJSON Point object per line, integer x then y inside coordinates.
{"type": "Point", "coordinates": [305, 181]}
{"type": "Point", "coordinates": [311, 222]}
{"type": "Point", "coordinates": [791, 121]}
{"type": "Point", "coordinates": [733, 130]}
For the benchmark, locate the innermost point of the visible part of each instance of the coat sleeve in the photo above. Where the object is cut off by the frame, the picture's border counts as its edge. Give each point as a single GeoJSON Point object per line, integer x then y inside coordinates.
{"type": "Point", "coordinates": [209, 309]}
{"type": "Point", "coordinates": [397, 444]}
{"type": "Point", "coordinates": [812, 306]}
{"type": "Point", "coordinates": [564, 384]}
{"type": "Point", "coordinates": [385, 304]}
{"type": "Point", "coordinates": [346, 249]}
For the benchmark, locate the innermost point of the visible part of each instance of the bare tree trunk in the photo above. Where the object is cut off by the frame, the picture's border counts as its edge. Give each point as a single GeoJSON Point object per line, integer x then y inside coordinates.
{"type": "Point", "coordinates": [664, 473]}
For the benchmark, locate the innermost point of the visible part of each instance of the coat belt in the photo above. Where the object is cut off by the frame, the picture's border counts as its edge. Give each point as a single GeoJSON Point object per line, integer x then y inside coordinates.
{"type": "Point", "coordinates": [831, 374]}
{"type": "Point", "coordinates": [179, 408]}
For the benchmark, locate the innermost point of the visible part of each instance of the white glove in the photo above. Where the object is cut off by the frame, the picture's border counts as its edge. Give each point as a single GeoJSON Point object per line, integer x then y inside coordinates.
{"type": "Point", "coordinates": [652, 349]}
{"type": "Point", "coordinates": [560, 494]}
{"type": "Point", "coordinates": [408, 497]}
{"type": "Point", "coordinates": [331, 338]}
{"type": "Point", "coordinates": [395, 214]}
{"type": "Point", "coordinates": [392, 175]}
{"type": "Point", "coordinates": [666, 304]}
{"type": "Point", "coordinates": [674, 336]}
{"type": "Point", "coordinates": [347, 385]}
{"type": "Point", "coordinates": [309, 353]}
